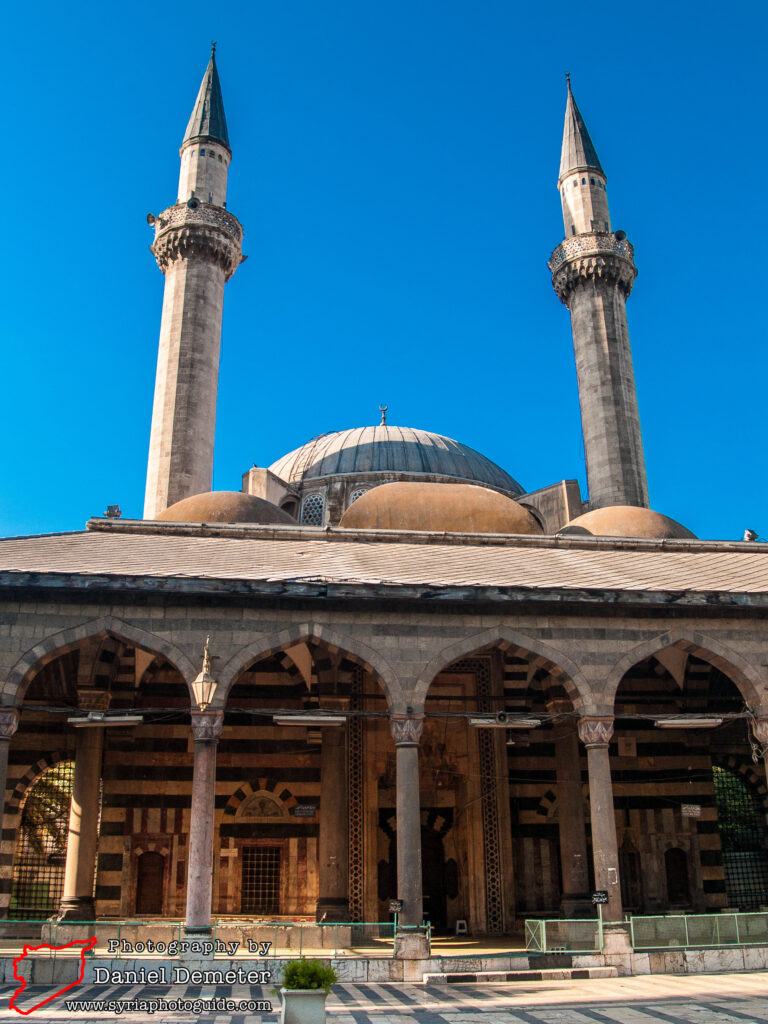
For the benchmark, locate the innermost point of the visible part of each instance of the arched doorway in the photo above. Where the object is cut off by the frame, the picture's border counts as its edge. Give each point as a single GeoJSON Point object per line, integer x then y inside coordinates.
{"type": "Point", "coordinates": [743, 840]}
{"type": "Point", "coordinates": [41, 847]}
{"type": "Point", "coordinates": [676, 715]}
{"type": "Point", "coordinates": [294, 837]}
{"type": "Point", "coordinates": [500, 753]}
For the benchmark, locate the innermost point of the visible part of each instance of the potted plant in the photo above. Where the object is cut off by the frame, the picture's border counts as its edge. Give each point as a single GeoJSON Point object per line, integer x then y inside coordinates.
{"type": "Point", "coordinates": [306, 984]}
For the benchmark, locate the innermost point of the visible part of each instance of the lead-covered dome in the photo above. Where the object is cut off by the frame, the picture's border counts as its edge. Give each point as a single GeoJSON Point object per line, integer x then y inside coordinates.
{"type": "Point", "coordinates": [438, 508]}
{"type": "Point", "coordinates": [391, 449]}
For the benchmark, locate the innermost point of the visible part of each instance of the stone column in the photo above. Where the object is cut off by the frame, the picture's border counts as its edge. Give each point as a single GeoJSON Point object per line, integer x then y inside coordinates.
{"type": "Point", "coordinates": [575, 900]}
{"type": "Point", "coordinates": [9, 721]}
{"type": "Point", "coordinates": [333, 840]}
{"type": "Point", "coordinates": [406, 732]}
{"type": "Point", "coordinates": [77, 902]}
{"type": "Point", "coordinates": [595, 733]}
{"type": "Point", "coordinates": [206, 729]}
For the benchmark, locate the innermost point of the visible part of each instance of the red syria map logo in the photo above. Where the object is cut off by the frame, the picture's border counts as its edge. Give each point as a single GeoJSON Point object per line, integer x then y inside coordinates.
{"type": "Point", "coordinates": [83, 944]}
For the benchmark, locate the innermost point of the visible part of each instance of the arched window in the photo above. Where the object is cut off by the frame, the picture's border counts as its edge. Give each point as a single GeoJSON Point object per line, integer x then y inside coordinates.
{"type": "Point", "coordinates": [355, 495]}
{"type": "Point", "coordinates": [743, 841]}
{"type": "Point", "coordinates": [313, 510]}
{"type": "Point", "coordinates": [41, 848]}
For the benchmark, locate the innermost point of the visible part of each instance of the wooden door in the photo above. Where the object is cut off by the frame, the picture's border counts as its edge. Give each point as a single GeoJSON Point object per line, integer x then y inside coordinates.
{"type": "Point", "coordinates": [149, 883]}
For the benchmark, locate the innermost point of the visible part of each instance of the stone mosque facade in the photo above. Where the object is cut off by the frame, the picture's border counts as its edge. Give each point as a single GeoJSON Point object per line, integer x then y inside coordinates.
{"type": "Point", "coordinates": [430, 684]}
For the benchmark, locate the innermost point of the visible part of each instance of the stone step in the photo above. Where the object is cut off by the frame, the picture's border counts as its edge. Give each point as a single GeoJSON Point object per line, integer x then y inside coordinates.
{"type": "Point", "coordinates": [546, 974]}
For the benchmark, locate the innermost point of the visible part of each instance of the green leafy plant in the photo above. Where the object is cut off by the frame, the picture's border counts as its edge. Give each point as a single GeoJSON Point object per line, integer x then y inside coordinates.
{"type": "Point", "coordinates": [309, 974]}
{"type": "Point", "coordinates": [45, 817]}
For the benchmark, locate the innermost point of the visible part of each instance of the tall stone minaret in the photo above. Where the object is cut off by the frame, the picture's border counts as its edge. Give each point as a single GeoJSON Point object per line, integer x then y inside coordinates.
{"type": "Point", "coordinates": [198, 248]}
{"type": "Point", "coordinates": [593, 271]}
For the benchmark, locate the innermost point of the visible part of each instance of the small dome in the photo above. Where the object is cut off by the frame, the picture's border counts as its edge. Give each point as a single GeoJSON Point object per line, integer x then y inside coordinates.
{"type": "Point", "coordinates": [225, 507]}
{"type": "Point", "coordinates": [627, 521]}
{"type": "Point", "coordinates": [390, 449]}
{"type": "Point", "coordinates": [438, 508]}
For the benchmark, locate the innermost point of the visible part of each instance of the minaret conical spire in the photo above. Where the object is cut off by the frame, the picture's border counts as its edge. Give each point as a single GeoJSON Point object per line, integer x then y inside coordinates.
{"type": "Point", "coordinates": [578, 152]}
{"type": "Point", "coordinates": [208, 120]}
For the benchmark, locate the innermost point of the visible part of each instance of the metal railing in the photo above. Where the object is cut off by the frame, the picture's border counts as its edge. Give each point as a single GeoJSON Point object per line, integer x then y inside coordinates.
{"type": "Point", "coordinates": [564, 935]}
{"type": "Point", "coordinates": [261, 939]}
{"type": "Point", "coordinates": [201, 213]}
{"type": "Point", "coordinates": [697, 931]}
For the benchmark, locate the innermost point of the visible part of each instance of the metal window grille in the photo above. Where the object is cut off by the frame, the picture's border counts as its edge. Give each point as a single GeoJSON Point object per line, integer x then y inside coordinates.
{"type": "Point", "coordinates": [743, 840]}
{"type": "Point", "coordinates": [260, 892]}
{"type": "Point", "coordinates": [313, 510]}
{"type": "Point", "coordinates": [41, 848]}
{"type": "Point", "coordinates": [355, 495]}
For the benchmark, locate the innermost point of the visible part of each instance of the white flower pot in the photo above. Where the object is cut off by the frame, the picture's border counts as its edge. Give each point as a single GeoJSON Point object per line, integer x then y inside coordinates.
{"type": "Point", "coordinates": [302, 1006]}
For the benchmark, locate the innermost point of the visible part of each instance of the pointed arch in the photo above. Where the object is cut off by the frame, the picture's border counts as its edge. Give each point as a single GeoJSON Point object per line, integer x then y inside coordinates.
{"type": "Point", "coordinates": [272, 788]}
{"type": "Point", "coordinates": [57, 643]}
{"type": "Point", "coordinates": [31, 775]}
{"type": "Point", "coordinates": [754, 777]}
{"type": "Point", "coordinates": [745, 676]}
{"type": "Point", "coordinates": [563, 669]}
{"type": "Point", "coordinates": [354, 649]}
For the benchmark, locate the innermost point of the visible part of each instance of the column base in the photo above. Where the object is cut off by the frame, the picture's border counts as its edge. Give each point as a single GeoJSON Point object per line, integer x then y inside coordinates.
{"type": "Point", "coordinates": [616, 941]}
{"type": "Point", "coordinates": [411, 946]}
{"type": "Point", "coordinates": [332, 910]}
{"type": "Point", "coordinates": [81, 908]}
{"type": "Point", "coordinates": [198, 929]}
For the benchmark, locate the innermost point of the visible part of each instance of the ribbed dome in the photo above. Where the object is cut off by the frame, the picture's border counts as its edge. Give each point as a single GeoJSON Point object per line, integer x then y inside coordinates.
{"type": "Point", "coordinates": [627, 521]}
{"type": "Point", "coordinates": [225, 507]}
{"type": "Point", "coordinates": [438, 508]}
{"type": "Point", "coordinates": [388, 449]}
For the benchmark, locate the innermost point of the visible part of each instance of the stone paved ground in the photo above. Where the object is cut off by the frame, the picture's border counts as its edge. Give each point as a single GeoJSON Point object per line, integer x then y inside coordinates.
{"type": "Point", "coordinates": [671, 999]}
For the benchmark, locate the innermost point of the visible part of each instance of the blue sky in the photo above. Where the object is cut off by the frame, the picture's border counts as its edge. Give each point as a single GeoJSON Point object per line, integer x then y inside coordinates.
{"type": "Point", "coordinates": [395, 171]}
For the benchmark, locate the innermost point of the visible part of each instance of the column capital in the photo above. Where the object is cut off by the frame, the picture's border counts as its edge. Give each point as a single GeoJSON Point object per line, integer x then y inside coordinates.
{"type": "Point", "coordinates": [595, 732]}
{"type": "Point", "coordinates": [9, 723]}
{"type": "Point", "coordinates": [206, 725]}
{"type": "Point", "coordinates": [760, 729]}
{"type": "Point", "coordinates": [406, 729]}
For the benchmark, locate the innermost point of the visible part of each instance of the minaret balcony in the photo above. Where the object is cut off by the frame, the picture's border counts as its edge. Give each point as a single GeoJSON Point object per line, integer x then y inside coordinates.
{"type": "Point", "coordinates": [591, 243]}
{"type": "Point", "coordinates": [196, 212]}
{"type": "Point", "coordinates": [195, 230]}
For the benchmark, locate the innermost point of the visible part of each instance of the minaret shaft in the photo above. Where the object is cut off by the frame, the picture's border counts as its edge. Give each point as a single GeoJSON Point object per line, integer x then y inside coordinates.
{"type": "Point", "coordinates": [609, 416]}
{"type": "Point", "coordinates": [593, 271]}
{"type": "Point", "coordinates": [184, 412]}
{"type": "Point", "coordinates": [198, 247]}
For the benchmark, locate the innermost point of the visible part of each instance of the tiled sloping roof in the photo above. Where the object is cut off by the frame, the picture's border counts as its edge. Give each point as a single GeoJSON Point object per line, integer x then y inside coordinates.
{"type": "Point", "coordinates": [512, 565]}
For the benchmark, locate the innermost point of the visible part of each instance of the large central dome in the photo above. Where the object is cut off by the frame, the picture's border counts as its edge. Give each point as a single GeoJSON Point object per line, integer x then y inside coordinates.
{"type": "Point", "coordinates": [390, 449]}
